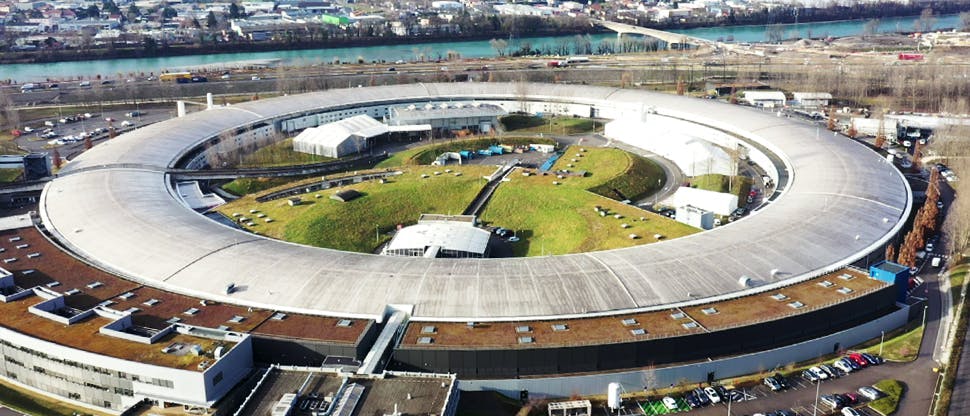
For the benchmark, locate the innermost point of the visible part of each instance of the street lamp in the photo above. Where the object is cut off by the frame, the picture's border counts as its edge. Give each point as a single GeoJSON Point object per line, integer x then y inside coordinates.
{"type": "Point", "coordinates": [882, 338]}
{"type": "Point", "coordinates": [818, 387]}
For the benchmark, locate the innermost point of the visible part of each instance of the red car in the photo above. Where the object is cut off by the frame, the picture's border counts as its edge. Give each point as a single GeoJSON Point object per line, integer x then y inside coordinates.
{"type": "Point", "coordinates": [856, 358]}
{"type": "Point", "coordinates": [851, 397]}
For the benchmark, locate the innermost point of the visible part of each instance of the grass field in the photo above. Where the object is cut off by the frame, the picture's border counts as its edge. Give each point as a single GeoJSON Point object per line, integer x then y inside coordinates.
{"type": "Point", "coordinates": [34, 404]}
{"type": "Point", "coordinates": [354, 225]}
{"type": "Point", "coordinates": [635, 180]}
{"type": "Point", "coordinates": [246, 186]}
{"type": "Point", "coordinates": [10, 175]}
{"type": "Point", "coordinates": [893, 390]}
{"type": "Point", "coordinates": [901, 348]}
{"type": "Point", "coordinates": [740, 186]}
{"type": "Point", "coordinates": [280, 154]}
{"type": "Point", "coordinates": [560, 219]}
{"type": "Point", "coordinates": [523, 124]}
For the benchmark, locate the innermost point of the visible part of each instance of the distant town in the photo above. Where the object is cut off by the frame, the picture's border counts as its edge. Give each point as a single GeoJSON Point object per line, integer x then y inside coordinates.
{"type": "Point", "coordinates": [58, 30]}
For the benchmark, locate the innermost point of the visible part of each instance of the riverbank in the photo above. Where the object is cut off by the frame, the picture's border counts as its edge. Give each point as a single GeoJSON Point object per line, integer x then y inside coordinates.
{"type": "Point", "coordinates": [129, 52]}
{"type": "Point", "coordinates": [764, 18]}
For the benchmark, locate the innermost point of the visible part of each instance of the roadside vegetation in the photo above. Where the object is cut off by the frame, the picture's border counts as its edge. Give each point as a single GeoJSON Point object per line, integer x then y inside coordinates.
{"type": "Point", "coordinates": [893, 390]}
{"type": "Point", "coordinates": [900, 346]}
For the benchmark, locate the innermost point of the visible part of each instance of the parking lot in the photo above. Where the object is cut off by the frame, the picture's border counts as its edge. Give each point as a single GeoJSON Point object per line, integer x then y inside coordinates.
{"type": "Point", "coordinates": [798, 399]}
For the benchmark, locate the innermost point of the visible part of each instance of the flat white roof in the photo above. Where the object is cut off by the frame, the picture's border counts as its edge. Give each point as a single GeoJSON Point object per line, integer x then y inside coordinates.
{"type": "Point", "coordinates": [449, 235]}
{"type": "Point", "coordinates": [113, 206]}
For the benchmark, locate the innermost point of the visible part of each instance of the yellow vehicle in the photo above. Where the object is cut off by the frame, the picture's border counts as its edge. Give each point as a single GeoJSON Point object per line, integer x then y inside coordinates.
{"type": "Point", "coordinates": [176, 76]}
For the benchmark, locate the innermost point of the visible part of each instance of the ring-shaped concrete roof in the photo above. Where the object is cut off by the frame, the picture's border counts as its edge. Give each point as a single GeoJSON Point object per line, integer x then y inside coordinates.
{"type": "Point", "coordinates": [115, 207]}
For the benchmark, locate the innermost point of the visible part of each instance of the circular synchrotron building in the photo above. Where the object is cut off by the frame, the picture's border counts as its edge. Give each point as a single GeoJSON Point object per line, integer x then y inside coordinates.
{"type": "Point", "coordinates": [788, 283]}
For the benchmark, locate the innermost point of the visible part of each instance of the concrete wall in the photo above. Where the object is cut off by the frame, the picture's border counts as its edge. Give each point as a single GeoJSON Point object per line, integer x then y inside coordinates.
{"type": "Point", "coordinates": [695, 372]}
{"type": "Point", "coordinates": [512, 361]}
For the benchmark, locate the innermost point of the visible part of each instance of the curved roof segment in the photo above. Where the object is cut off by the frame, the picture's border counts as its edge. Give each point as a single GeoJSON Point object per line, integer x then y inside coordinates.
{"type": "Point", "coordinates": [114, 206]}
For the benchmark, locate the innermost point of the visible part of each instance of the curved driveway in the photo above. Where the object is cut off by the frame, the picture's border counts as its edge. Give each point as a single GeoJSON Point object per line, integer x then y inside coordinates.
{"type": "Point", "coordinates": [843, 201]}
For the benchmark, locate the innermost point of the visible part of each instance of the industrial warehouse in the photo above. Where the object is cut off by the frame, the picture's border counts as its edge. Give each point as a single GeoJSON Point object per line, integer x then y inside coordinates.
{"type": "Point", "coordinates": [489, 321]}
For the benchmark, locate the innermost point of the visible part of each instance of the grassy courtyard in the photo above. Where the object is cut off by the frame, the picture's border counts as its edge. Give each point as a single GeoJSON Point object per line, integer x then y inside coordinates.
{"type": "Point", "coordinates": [526, 124]}
{"type": "Point", "coordinates": [560, 219]}
{"type": "Point", "coordinates": [548, 218]}
{"type": "Point", "coordinates": [354, 225]}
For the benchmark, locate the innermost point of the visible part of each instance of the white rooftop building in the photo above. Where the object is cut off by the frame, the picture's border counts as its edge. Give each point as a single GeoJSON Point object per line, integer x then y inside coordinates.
{"type": "Point", "coordinates": [767, 99]}
{"type": "Point", "coordinates": [716, 202]}
{"type": "Point", "coordinates": [811, 99]}
{"type": "Point", "coordinates": [453, 236]}
{"type": "Point", "coordinates": [340, 138]}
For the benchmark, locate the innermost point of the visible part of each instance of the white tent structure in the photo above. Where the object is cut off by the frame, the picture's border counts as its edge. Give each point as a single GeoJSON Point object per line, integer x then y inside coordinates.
{"type": "Point", "coordinates": [339, 138]}
{"type": "Point", "coordinates": [690, 148]}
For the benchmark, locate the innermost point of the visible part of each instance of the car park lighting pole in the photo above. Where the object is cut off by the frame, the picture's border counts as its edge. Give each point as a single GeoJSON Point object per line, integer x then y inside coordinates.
{"type": "Point", "coordinates": [882, 338]}
{"type": "Point", "coordinates": [818, 387]}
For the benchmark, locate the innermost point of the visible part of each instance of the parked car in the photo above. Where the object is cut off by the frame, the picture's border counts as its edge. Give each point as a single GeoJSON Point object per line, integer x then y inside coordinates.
{"type": "Point", "coordinates": [691, 400]}
{"type": "Point", "coordinates": [831, 371]}
{"type": "Point", "coordinates": [712, 395]}
{"type": "Point", "coordinates": [702, 396]}
{"type": "Point", "coordinates": [869, 392]}
{"type": "Point", "coordinates": [810, 376]}
{"type": "Point", "coordinates": [829, 400]}
{"type": "Point", "coordinates": [735, 396]}
{"type": "Point", "coordinates": [843, 364]}
{"type": "Point", "coordinates": [872, 359]}
{"type": "Point", "coordinates": [822, 375]}
{"type": "Point", "coordinates": [781, 380]}
{"type": "Point", "coordinates": [772, 383]}
{"type": "Point", "coordinates": [851, 398]}
{"type": "Point", "coordinates": [848, 411]}
{"type": "Point", "coordinates": [670, 403]}
{"type": "Point", "coordinates": [857, 358]}
{"type": "Point", "coordinates": [127, 123]}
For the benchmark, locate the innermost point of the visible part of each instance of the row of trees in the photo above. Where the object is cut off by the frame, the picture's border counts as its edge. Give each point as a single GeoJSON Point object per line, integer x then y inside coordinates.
{"type": "Point", "coordinates": [925, 223]}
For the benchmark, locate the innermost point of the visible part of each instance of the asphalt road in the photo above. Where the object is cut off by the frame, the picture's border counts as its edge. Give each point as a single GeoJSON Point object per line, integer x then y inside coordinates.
{"type": "Point", "coordinates": [8, 412]}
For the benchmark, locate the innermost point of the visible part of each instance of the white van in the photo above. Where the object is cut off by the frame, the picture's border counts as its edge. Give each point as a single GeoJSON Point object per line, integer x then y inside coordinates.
{"type": "Point", "coordinates": [936, 262]}
{"type": "Point", "coordinates": [28, 87]}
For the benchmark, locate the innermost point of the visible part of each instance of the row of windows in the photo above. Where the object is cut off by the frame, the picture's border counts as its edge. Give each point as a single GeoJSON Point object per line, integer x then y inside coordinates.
{"type": "Point", "coordinates": [99, 370]}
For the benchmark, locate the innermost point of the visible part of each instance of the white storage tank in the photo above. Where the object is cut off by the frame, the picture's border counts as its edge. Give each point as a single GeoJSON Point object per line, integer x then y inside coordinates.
{"type": "Point", "coordinates": [613, 396]}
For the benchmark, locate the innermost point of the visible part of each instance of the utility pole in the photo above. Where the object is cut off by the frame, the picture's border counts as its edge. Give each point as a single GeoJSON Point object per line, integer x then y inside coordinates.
{"type": "Point", "coordinates": [818, 387]}
{"type": "Point", "coordinates": [882, 339]}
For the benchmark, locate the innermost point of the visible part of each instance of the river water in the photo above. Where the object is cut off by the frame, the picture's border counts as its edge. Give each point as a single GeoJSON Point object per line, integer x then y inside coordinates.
{"type": "Point", "coordinates": [467, 49]}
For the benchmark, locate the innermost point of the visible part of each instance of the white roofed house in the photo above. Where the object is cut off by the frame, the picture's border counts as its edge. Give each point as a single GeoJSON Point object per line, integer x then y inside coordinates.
{"type": "Point", "coordinates": [811, 99]}
{"type": "Point", "coordinates": [766, 99]}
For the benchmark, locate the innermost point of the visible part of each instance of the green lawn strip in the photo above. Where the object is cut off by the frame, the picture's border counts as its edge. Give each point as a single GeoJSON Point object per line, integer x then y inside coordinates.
{"type": "Point", "coordinates": [10, 175]}
{"type": "Point", "coordinates": [958, 274]}
{"type": "Point", "coordinates": [522, 124]}
{"type": "Point", "coordinates": [246, 186]}
{"type": "Point", "coordinates": [560, 219]}
{"type": "Point", "coordinates": [34, 404]}
{"type": "Point", "coordinates": [740, 186]}
{"type": "Point", "coordinates": [280, 154]}
{"type": "Point", "coordinates": [893, 392]}
{"type": "Point", "coordinates": [354, 225]}
{"type": "Point", "coordinates": [901, 348]}
{"type": "Point", "coordinates": [640, 178]}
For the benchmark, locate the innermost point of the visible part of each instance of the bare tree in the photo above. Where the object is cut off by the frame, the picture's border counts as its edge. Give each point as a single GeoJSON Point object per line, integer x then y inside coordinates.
{"type": "Point", "coordinates": [965, 21]}
{"type": "Point", "coordinates": [870, 28]}
{"type": "Point", "coordinates": [500, 46]}
{"type": "Point", "coordinates": [926, 20]}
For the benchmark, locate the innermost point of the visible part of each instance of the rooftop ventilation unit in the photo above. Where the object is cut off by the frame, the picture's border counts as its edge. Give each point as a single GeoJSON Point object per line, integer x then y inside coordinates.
{"type": "Point", "coordinates": [709, 311]}
{"type": "Point", "coordinates": [344, 323]}
{"type": "Point", "coordinates": [523, 329]}
{"type": "Point", "coordinates": [678, 315]}
{"type": "Point", "coordinates": [629, 321]}
{"type": "Point", "coordinates": [638, 331]}
{"type": "Point", "coordinates": [279, 316]}
{"type": "Point", "coordinates": [425, 340]}
{"type": "Point", "coordinates": [430, 329]}
{"type": "Point", "coordinates": [560, 327]}
{"type": "Point", "coordinates": [526, 340]}
{"type": "Point", "coordinates": [689, 325]}
{"type": "Point", "coordinates": [779, 297]}
{"type": "Point", "coordinates": [796, 305]}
